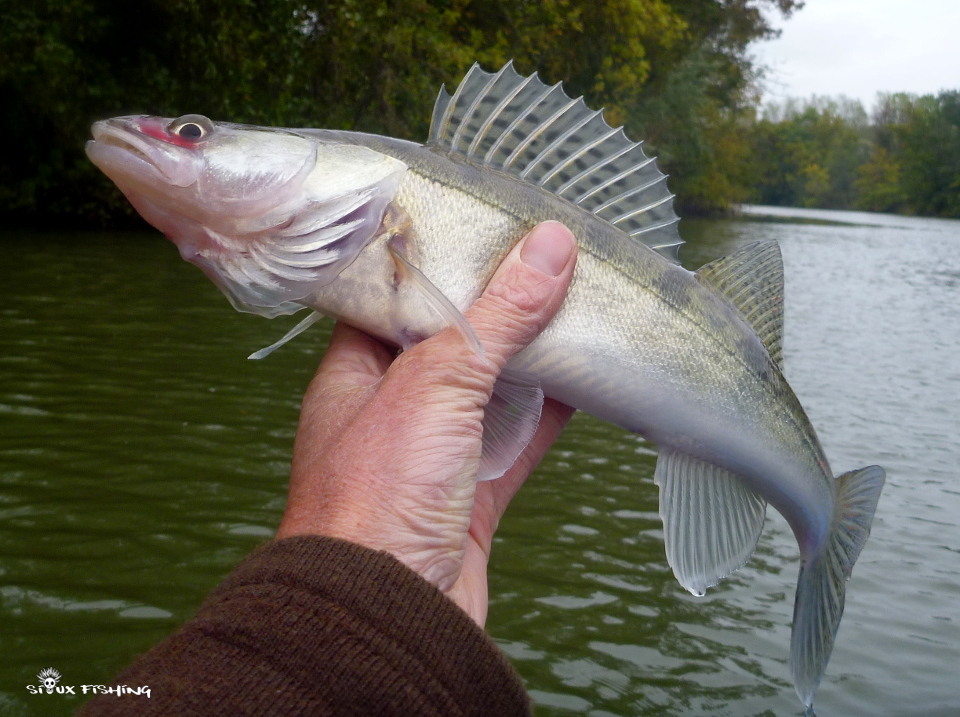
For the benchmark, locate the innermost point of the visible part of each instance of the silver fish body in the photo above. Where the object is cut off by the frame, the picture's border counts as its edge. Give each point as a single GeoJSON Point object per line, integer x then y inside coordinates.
{"type": "Point", "coordinates": [639, 342]}
{"type": "Point", "coordinates": [689, 360]}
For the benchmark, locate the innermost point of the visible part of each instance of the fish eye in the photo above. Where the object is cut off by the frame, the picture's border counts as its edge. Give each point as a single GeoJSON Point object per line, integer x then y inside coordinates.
{"type": "Point", "coordinates": [192, 128]}
{"type": "Point", "coordinates": [190, 131]}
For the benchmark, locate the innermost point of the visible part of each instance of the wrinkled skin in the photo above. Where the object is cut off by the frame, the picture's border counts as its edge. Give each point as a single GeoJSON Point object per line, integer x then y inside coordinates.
{"type": "Point", "coordinates": [387, 449]}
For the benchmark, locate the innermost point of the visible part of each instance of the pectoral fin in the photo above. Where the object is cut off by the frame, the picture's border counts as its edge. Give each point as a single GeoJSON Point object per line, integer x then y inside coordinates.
{"type": "Point", "coordinates": [449, 314]}
{"type": "Point", "coordinates": [511, 417]}
{"type": "Point", "coordinates": [711, 519]}
{"type": "Point", "coordinates": [509, 421]}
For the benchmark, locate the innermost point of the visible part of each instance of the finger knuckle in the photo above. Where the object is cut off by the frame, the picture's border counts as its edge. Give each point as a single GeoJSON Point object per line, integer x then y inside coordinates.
{"type": "Point", "coordinates": [521, 297]}
{"type": "Point", "coordinates": [445, 360]}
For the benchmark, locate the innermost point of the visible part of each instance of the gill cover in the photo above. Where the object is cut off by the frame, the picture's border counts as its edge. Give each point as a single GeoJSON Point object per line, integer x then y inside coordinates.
{"type": "Point", "coordinates": [269, 215]}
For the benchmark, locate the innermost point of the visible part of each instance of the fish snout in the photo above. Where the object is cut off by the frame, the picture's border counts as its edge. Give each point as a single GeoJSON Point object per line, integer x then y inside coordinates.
{"type": "Point", "coordinates": [139, 150]}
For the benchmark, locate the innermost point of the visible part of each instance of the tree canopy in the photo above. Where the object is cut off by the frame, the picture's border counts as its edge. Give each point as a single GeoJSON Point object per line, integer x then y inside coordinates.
{"type": "Point", "coordinates": [829, 153]}
{"type": "Point", "coordinates": [675, 72]}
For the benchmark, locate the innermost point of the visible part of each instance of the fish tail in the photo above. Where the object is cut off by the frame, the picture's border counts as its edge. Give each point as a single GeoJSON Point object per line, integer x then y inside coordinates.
{"type": "Point", "coordinates": [822, 582]}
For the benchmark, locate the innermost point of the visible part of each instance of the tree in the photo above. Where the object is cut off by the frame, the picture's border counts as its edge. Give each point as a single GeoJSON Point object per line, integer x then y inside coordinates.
{"type": "Point", "coordinates": [929, 143]}
{"type": "Point", "coordinates": [371, 65]}
{"type": "Point", "coordinates": [63, 63]}
{"type": "Point", "coordinates": [698, 105]}
{"type": "Point", "coordinates": [808, 152]}
{"type": "Point", "coordinates": [878, 183]}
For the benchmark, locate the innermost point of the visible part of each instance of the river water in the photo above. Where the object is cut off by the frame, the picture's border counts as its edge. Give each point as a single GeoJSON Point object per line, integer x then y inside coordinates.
{"type": "Point", "coordinates": [142, 456]}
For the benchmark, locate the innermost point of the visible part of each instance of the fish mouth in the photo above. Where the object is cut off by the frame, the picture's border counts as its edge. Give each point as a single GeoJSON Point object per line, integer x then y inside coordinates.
{"type": "Point", "coordinates": [111, 135]}
{"type": "Point", "coordinates": [126, 155]}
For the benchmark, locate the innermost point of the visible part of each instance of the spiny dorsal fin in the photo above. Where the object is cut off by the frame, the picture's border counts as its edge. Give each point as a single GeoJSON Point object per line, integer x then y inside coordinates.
{"type": "Point", "coordinates": [537, 133]}
{"type": "Point", "coordinates": [752, 280]}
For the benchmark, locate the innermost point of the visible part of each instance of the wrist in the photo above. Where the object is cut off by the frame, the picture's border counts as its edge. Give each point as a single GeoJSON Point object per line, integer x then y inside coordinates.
{"type": "Point", "coordinates": [430, 545]}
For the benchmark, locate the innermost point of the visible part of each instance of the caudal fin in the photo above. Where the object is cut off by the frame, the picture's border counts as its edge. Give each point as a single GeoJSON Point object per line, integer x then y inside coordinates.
{"type": "Point", "coordinates": [822, 582]}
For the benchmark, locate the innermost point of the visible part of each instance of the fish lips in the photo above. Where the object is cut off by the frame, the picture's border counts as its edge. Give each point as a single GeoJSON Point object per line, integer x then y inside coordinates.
{"type": "Point", "coordinates": [127, 155]}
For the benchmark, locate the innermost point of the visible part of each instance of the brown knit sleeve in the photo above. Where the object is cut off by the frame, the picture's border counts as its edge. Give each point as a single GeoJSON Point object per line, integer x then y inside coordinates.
{"type": "Point", "coordinates": [318, 626]}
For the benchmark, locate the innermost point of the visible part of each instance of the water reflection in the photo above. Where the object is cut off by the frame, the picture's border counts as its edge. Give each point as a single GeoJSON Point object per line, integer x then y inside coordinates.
{"type": "Point", "coordinates": [141, 455]}
{"type": "Point", "coordinates": [594, 616]}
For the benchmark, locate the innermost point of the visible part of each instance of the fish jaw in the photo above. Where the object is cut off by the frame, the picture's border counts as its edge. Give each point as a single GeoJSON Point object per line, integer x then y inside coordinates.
{"type": "Point", "coordinates": [128, 151]}
{"type": "Point", "coordinates": [269, 215]}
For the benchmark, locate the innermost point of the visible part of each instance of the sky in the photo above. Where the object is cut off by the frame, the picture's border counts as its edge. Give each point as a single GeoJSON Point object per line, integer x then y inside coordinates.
{"type": "Point", "coordinates": [860, 47]}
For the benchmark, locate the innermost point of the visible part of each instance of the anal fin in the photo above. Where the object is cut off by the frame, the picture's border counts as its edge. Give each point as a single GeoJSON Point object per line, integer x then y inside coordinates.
{"type": "Point", "coordinates": [711, 519]}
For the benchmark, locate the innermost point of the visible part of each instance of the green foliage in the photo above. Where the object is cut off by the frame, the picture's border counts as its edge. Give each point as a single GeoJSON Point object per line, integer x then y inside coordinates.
{"type": "Point", "coordinates": [878, 187]}
{"type": "Point", "coordinates": [825, 153]}
{"type": "Point", "coordinates": [929, 143]}
{"type": "Point", "coordinates": [696, 136]}
{"type": "Point", "coordinates": [61, 62]}
{"type": "Point", "coordinates": [676, 70]}
{"type": "Point", "coordinates": [807, 154]}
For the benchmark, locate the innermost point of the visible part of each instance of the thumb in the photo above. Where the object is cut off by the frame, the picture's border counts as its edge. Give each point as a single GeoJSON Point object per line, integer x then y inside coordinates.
{"type": "Point", "coordinates": [525, 292]}
{"type": "Point", "coordinates": [519, 301]}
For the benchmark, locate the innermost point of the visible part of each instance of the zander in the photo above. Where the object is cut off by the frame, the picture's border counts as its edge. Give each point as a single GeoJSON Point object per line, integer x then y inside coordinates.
{"type": "Point", "coordinates": [398, 239]}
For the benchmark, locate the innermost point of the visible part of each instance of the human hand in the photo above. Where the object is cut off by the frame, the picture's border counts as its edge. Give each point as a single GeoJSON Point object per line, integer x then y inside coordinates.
{"type": "Point", "coordinates": [387, 450]}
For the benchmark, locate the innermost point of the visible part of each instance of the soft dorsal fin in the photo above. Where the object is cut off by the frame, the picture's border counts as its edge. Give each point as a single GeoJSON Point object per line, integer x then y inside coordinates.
{"type": "Point", "coordinates": [537, 133]}
{"type": "Point", "coordinates": [752, 280]}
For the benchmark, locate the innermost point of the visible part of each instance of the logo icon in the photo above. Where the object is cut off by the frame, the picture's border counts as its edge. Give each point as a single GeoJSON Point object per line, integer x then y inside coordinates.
{"type": "Point", "coordinates": [49, 677]}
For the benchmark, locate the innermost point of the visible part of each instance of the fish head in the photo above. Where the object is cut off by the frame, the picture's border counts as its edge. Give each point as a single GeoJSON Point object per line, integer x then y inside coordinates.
{"type": "Point", "coordinates": [270, 215]}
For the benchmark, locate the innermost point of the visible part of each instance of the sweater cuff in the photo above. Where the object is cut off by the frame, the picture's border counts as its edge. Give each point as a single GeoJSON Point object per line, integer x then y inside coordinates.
{"type": "Point", "coordinates": [319, 626]}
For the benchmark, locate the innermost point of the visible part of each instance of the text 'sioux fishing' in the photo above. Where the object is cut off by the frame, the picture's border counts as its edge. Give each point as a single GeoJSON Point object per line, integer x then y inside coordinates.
{"type": "Point", "coordinates": [398, 239]}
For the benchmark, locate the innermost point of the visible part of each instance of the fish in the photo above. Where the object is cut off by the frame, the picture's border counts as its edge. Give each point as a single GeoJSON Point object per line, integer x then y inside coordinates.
{"type": "Point", "coordinates": [398, 238]}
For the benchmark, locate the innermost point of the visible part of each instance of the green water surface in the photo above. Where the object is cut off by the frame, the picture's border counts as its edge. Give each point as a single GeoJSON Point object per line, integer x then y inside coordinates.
{"type": "Point", "coordinates": [142, 456]}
